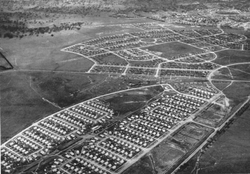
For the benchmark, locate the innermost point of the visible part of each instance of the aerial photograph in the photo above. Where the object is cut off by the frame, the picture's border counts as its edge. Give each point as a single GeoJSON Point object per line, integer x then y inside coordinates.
{"type": "Point", "coordinates": [125, 86]}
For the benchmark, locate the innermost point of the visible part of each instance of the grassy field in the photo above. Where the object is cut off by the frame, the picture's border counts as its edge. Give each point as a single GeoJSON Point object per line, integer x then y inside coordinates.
{"type": "Point", "coordinates": [232, 56]}
{"type": "Point", "coordinates": [79, 64]}
{"type": "Point", "coordinates": [222, 73]}
{"type": "Point", "coordinates": [220, 84]}
{"type": "Point", "coordinates": [166, 156]}
{"type": "Point", "coordinates": [244, 67]}
{"type": "Point", "coordinates": [184, 142]}
{"type": "Point", "coordinates": [211, 120]}
{"type": "Point", "coordinates": [143, 166]}
{"type": "Point", "coordinates": [194, 131]}
{"type": "Point", "coordinates": [240, 74]}
{"type": "Point", "coordinates": [20, 105]}
{"type": "Point", "coordinates": [133, 100]}
{"type": "Point", "coordinates": [172, 49]}
{"type": "Point", "coordinates": [229, 154]}
{"type": "Point", "coordinates": [237, 92]}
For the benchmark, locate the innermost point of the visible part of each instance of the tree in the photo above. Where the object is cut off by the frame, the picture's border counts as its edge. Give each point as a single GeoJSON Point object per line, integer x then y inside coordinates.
{"type": "Point", "coordinates": [9, 35]}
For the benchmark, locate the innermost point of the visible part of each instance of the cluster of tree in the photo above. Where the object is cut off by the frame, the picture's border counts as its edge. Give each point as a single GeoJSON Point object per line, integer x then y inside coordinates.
{"type": "Point", "coordinates": [20, 31]}
{"type": "Point", "coordinates": [71, 10]}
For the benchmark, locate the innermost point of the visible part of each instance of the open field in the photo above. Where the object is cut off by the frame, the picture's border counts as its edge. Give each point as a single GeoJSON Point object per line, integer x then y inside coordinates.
{"type": "Point", "coordinates": [240, 74]}
{"type": "Point", "coordinates": [78, 64]}
{"type": "Point", "coordinates": [184, 142]}
{"type": "Point", "coordinates": [20, 105]}
{"type": "Point", "coordinates": [232, 56]}
{"type": "Point", "coordinates": [244, 67]}
{"type": "Point", "coordinates": [237, 92]}
{"type": "Point", "coordinates": [229, 154]}
{"type": "Point", "coordinates": [210, 120]}
{"type": "Point", "coordinates": [194, 131]}
{"type": "Point", "coordinates": [172, 49]}
{"type": "Point", "coordinates": [220, 84]}
{"type": "Point", "coordinates": [133, 100]}
{"type": "Point", "coordinates": [222, 73]}
{"type": "Point", "coordinates": [167, 159]}
{"type": "Point", "coordinates": [143, 166]}
{"type": "Point", "coordinates": [213, 116]}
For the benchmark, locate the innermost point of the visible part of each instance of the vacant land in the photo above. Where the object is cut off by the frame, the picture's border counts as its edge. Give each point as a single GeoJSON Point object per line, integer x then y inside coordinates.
{"type": "Point", "coordinates": [213, 115]}
{"type": "Point", "coordinates": [242, 67]}
{"type": "Point", "coordinates": [172, 49]}
{"type": "Point", "coordinates": [133, 100]}
{"type": "Point", "coordinates": [20, 105]}
{"type": "Point", "coordinates": [78, 64]}
{"type": "Point", "coordinates": [184, 142]}
{"type": "Point", "coordinates": [143, 166]}
{"type": "Point", "coordinates": [228, 57]}
{"type": "Point", "coordinates": [240, 74]}
{"type": "Point", "coordinates": [237, 92]}
{"type": "Point", "coordinates": [166, 156]}
{"type": "Point", "coordinates": [229, 154]}
{"type": "Point", "coordinates": [220, 84]}
{"type": "Point", "coordinates": [222, 73]}
{"type": "Point", "coordinates": [194, 131]}
{"type": "Point", "coordinates": [211, 120]}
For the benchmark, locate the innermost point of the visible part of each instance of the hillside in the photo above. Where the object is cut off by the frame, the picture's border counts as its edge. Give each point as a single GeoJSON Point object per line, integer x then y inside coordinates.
{"type": "Point", "coordinates": [114, 5]}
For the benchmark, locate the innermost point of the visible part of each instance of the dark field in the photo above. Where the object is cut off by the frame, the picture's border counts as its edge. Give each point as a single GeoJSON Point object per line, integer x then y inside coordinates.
{"type": "Point", "coordinates": [232, 56]}
{"type": "Point", "coordinates": [220, 84]}
{"type": "Point", "coordinates": [184, 142]}
{"type": "Point", "coordinates": [237, 92]}
{"type": "Point", "coordinates": [133, 100]}
{"type": "Point", "coordinates": [166, 156]}
{"type": "Point", "coordinates": [229, 154]}
{"type": "Point", "coordinates": [222, 73]}
{"type": "Point", "coordinates": [79, 64]}
{"type": "Point", "coordinates": [213, 116]}
{"type": "Point", "coordinates": [143, 166]}
{"type": "Point", "coordinates": [20, 105]}
{"type": "Point", "coordinates": [243, 67]}
{"type": "Point", "coordinates": [211, 120]}
{"type": "Point", "coordinates": [172, 49]}
{"type": "Point", "coordinates": [240, 73]}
